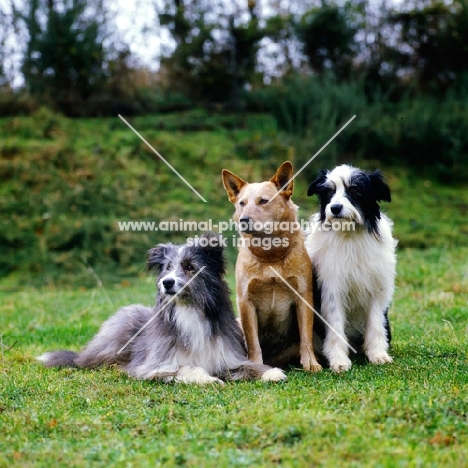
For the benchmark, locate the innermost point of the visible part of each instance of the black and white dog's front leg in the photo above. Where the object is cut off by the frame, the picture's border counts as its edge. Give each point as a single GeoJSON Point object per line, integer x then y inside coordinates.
{"type": "Point", "coordinates": [335, 345]}
{"type": "Point", "coordinates": [376, 339]}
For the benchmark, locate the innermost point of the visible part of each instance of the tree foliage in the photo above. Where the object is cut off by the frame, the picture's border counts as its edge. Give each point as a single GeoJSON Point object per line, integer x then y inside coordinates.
{"type": "Point", "coordinates": [65, 56]}
{"type": "Point", "coordinates": [433, 42]}
{"type": "Point", "coordinates": [327, 35]}
{"type": "Point", "coordinates": [216, 51]}
{"type": "Point", "coordinates": [221, 48]}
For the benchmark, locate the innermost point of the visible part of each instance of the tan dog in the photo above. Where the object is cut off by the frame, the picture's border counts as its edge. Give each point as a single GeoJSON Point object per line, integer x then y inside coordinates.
{"type": "Point", "coordinates": [277, 323]}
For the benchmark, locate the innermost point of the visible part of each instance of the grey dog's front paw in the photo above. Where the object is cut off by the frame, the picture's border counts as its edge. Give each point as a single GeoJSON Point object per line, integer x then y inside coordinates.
{"type": "Point", "coordinates": [274, 375]}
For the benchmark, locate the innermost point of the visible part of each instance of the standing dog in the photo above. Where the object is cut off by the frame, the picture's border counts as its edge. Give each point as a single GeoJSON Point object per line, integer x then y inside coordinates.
{"type": "Point", "coordinates": [191, 335]}
{"type": "Point", "coordinates": [277, 323]}
{"type": "Point", "coordinates": [352, 250]}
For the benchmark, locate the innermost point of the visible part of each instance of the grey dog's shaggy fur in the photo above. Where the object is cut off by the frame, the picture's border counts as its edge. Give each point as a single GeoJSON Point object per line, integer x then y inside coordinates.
{"type": "Point", "coordinates": [191, 334]}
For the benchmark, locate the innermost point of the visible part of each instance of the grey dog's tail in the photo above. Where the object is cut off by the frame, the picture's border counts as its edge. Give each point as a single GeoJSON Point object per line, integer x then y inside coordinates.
{"type": "Point", "coordinates": [60, 358]}
{"type": "Point", "coordinates": [109, 345]}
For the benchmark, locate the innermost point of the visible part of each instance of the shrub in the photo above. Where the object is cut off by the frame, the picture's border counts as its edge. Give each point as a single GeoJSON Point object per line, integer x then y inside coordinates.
{"type": "Point", "coordinates": [426, 134]}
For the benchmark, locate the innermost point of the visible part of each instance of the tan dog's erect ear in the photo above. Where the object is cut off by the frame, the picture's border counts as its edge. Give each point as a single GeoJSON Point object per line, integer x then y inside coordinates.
{"type": "Point", "coordinates": [232, 184]}
{"type": "Point", "coordinates": [283, 179]}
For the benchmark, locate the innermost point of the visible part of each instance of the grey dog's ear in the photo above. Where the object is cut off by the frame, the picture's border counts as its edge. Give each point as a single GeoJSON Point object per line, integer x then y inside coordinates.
{"type": "Point", "coordinates": [213, 242]}
{"type": "Point", "coordinates": [209, 247]}
{"type": "Point", "coordinates": [158, 257]}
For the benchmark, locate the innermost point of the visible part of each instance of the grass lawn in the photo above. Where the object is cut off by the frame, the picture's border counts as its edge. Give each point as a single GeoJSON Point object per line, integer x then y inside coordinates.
{"type": "Point", "coordinates": [413, 412]}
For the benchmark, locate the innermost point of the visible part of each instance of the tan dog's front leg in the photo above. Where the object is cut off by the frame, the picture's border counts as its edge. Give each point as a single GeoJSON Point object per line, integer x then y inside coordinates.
{"type": "Point", "coordinates": [249, 320]}
{"type": "Point", "coordinates": [305, 318]}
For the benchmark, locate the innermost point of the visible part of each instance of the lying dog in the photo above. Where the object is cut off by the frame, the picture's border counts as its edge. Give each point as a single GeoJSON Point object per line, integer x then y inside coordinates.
{"type": "Point", "coordinates": [191, 335]}
{"type": "Point", "coordinates": [352, 250]}
{"type": "Point", "coordinates": [277, 323]}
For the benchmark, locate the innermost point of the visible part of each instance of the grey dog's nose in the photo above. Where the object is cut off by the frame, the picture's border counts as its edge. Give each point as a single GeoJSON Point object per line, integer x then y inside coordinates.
{"type": "Point", "coordinates": [168, 283]}
{"type": "Point", "coordinates": [335, 209]}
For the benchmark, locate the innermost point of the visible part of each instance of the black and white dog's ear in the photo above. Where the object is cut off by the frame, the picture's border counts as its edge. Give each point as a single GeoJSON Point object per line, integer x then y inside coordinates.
{"type": "Point", "coordinates": [158, 257]}
{"type": "Point", "coordinates": [314, 187]}
{"type": "Point", "coordinates": [380, 188]}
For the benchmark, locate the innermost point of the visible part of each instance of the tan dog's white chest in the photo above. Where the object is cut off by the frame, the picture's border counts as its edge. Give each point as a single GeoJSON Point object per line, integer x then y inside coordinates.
{"type": "Point", "coordinates": [272, 299]}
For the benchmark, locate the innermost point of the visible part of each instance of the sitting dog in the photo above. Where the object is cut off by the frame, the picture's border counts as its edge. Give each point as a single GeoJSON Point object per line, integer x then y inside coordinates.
{"type": "Point", "coordinates": [191, 335]}
{"type": "Point", "coordinates": [273, 271]}
{"type": "Point", "coordinates": [352, 250]}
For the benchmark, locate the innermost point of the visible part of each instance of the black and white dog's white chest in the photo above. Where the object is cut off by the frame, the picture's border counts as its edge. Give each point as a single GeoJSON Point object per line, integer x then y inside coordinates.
{"type": "Point", "coordinates": [359, 265]}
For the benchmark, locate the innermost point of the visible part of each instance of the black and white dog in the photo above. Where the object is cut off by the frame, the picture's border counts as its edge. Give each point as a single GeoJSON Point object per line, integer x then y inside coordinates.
{"type": "Point", "coordinates": [352, 250]}
{"type": "Point", "coordinates": [191, 335]}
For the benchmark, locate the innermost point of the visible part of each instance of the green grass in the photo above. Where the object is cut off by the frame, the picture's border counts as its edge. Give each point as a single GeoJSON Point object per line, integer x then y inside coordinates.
{"type": "Point", "coordinates": [410, 413]}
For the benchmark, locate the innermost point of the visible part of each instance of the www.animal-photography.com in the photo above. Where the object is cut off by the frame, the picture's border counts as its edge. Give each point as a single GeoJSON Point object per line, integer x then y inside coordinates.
{"type": "Point", "coordinates": [233, 233]}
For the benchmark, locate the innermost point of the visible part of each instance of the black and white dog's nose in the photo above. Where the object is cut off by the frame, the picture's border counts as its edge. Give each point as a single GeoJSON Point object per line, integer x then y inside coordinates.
{"type": "Point", "coordinates": [335, 209]}
{"type": "Point", "coordinates": [168, 283]}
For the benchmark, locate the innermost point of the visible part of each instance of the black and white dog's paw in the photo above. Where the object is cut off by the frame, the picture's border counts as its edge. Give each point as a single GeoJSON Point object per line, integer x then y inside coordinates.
{"type": "Point", "coordinates": [379, 357]}
{"type": "Point", "coordinates": [340, 365]}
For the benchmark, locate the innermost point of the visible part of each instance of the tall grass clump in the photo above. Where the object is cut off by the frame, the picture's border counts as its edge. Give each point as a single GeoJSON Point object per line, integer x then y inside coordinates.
{"type": "Point", "coordinates": [302, 105]}
{"type": "Point", "coordinates": [425, 133]}
{"type": "Point", "coordinates": [312, 109]}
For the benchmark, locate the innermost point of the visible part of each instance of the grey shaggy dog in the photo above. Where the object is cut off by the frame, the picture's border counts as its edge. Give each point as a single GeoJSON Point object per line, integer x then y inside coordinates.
{"type": "Point", "coordinates": [191, 335]}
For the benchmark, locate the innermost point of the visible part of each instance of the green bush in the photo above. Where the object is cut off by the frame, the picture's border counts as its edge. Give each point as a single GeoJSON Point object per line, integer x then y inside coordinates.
{"type": "Point", "coordinates": [426, 134]}
{"type": "Point", "coordinates": [16, 103]}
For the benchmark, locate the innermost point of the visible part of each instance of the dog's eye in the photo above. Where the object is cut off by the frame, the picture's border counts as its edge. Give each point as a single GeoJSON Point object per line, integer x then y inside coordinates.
{"type": "Point", "coordinates": [353, 190]}
{"type": "Point", "coordinates": [189, 267]}
{"type": "Point", "coordinates": [328, 193]}
{"type": "Point", "coordinates": [169, 266]}
{"type": "Point", "coordinates": [263, 201]}
{"type": "Point", "coordinates": [242, 203]}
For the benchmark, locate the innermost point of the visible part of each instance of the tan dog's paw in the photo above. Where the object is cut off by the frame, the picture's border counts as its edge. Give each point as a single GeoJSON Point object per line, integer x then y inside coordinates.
{"type": "Point", "coordinates": [310, 364]}
{"type": "Point", "coordinates": [312, 367]}
{"type": "Point", "coordinates": [380, 358]}
{"type": "Point", "coordinates": [274, 375]}
{"type": "Point", "coordinates": [315, 368]}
